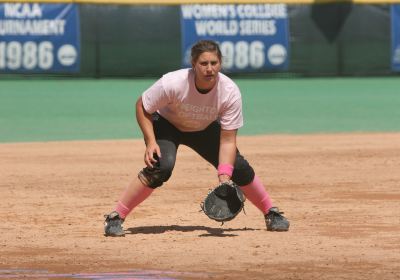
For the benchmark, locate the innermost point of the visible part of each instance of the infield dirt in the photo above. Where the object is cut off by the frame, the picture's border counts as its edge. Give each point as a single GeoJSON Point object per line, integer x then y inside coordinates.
{"type": "Point", "coordinates": [341, 193]}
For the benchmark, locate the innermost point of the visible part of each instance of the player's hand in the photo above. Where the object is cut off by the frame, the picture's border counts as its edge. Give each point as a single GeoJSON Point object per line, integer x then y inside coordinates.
{"type": "Point", "coordinates": [152, 154]}
{"type": "Point", "coordinates": [223, 178]}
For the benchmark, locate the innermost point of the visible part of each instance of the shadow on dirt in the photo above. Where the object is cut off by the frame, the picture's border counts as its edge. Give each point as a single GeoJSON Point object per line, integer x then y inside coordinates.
{"type": "Point", "coordinates": [127, 275]}
{"type": "Point", "coordinates": [219, 232]}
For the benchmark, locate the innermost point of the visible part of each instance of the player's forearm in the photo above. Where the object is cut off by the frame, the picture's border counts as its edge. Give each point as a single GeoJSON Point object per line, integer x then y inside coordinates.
{"type": "Point", "coordinates": [227, 149]}
{"type": "Point", "coordinates": [145, 122]}
{"type": "Point", "coordinates": [227, 154]}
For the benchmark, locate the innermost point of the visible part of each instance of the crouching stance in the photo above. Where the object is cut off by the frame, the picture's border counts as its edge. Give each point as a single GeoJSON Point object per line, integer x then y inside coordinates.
{"type": "Point", "coordinates": [201, 108]}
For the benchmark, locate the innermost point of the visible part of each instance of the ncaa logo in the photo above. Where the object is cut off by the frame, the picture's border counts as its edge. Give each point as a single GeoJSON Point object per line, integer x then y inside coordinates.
{"type": "Point", "coordinates": [67, 55]}
{"type": "Point", "coordinates": [277, 54]}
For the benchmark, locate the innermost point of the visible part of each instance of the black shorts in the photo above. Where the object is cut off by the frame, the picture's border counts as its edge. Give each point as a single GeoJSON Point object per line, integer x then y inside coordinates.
{"type": "Point", "coordinates": [205, 142]}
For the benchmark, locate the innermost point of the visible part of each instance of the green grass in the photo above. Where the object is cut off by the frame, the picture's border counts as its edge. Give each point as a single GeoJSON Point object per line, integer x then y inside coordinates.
{"type": "Point", "coordinates": [47, 110]}
{"type": "Point", "coordinates": [322, 105]}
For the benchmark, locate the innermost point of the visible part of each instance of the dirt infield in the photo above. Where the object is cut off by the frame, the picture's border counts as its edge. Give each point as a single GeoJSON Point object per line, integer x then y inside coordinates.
{"type": "Point", "coordinates": [341, 193]}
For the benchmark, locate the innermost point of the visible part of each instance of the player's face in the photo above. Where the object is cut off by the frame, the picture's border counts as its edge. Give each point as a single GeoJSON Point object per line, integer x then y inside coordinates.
{"type": "Point", "coordinates": [206, 68]}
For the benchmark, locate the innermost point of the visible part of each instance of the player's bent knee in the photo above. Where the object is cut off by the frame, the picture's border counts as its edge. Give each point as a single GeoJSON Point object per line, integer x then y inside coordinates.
{"type": "Point", "coordinates": [243, 174]}
{"type": "Point", "coordinates": [154, 177]}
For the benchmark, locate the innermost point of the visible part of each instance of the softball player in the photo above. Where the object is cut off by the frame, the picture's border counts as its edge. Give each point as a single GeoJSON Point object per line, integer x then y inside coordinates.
{"type": "Point", "coordinates": [202, 109]}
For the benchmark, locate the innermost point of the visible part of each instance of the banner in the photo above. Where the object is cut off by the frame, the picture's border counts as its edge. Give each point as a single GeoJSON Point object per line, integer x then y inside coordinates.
{"type": "Point", "coordinates": [252, 37]}
{"type": "Point", "coordinates": [39, 38]}
{"type": "Point", "coordinates": [395, 16]}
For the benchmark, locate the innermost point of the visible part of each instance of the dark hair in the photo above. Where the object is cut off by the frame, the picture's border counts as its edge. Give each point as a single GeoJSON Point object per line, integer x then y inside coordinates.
{"type": "Point", "coordinates": [205, 46]}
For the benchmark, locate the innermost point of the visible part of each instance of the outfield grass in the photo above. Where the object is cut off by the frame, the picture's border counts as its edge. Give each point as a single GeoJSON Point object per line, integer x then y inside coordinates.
{"type": "Point", "coordinates": [47, 110]}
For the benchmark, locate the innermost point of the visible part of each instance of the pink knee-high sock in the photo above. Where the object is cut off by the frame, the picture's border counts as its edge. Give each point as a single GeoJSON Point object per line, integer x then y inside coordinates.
{"type": "Point", "coordinates": [132, 199]}
{"type": "Point", "coordinates": [256, 193]}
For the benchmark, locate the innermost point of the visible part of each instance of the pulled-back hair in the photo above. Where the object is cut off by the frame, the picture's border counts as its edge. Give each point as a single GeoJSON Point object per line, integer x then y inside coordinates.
{"type": "Point", "coordinates": [205, 46]}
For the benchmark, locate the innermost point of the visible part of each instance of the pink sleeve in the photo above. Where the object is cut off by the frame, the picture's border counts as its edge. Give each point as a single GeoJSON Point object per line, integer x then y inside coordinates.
{"type": "Point", "coordinates": [232, 117]}
{"type": "Point", "coordinates": [155, 97]}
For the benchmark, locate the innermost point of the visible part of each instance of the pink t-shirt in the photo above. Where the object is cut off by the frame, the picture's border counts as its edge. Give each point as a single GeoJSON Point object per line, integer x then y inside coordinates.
{"type": "Point", "coordinates": [176, 98]}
